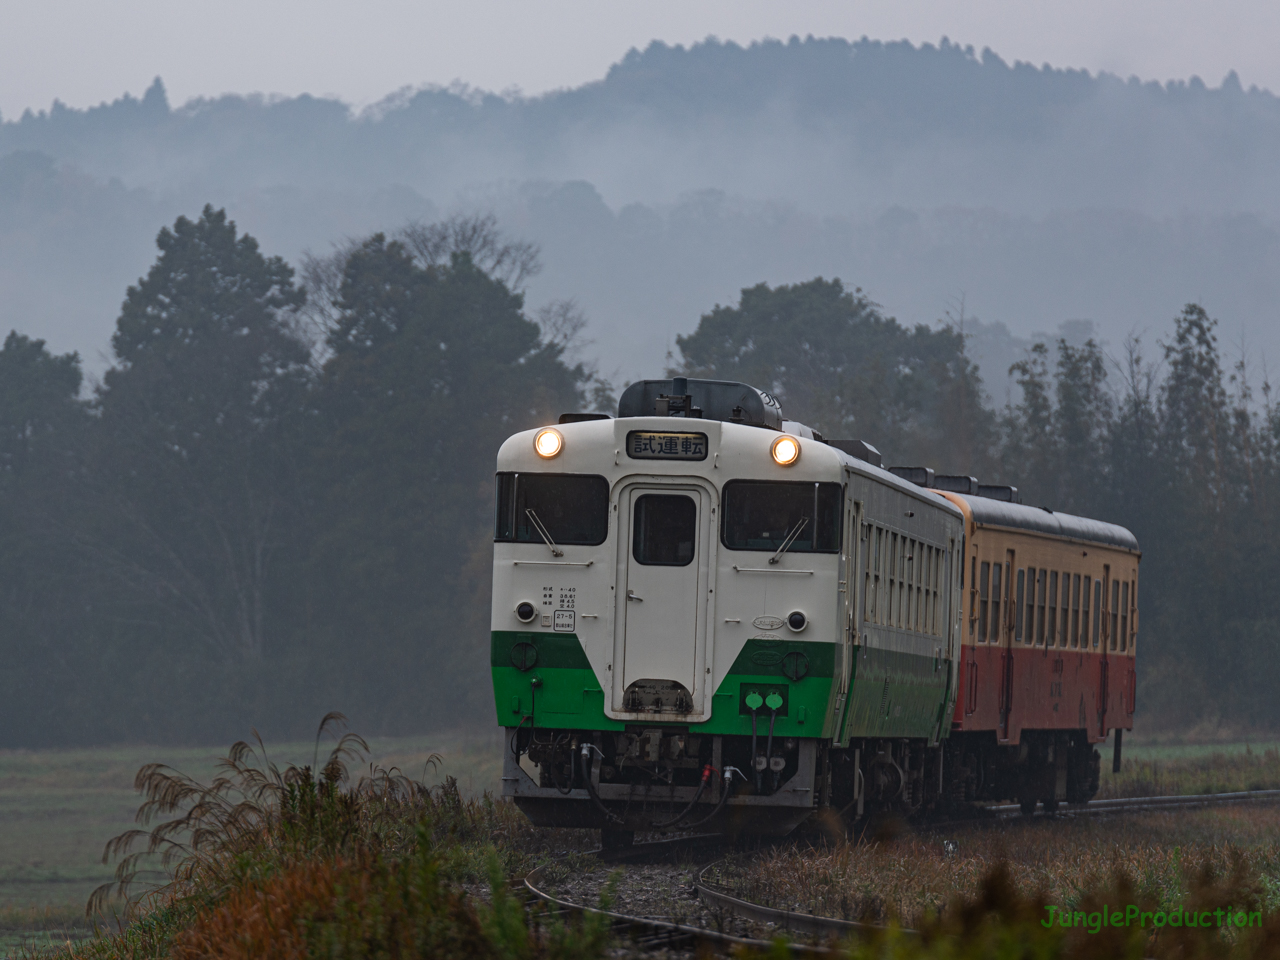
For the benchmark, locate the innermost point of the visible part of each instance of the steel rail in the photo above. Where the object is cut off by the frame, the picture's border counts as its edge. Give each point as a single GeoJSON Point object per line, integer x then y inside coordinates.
{"type": "Point", "coordinates": [1007, 810]}
{"type": "Point", "coordinates": [660, 932]}
{"type": "Point", "coordinates": [814, 925]}
{"type": "Point", "coordinates": [665, 933]}
{"type": "Point", "coordinates": [807, 923]}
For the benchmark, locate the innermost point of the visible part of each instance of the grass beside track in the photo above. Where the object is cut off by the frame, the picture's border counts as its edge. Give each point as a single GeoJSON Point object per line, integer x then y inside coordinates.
{"type": "Point", "coordinates": [905, 877]}
{"type": "Point", "coordinates": [59, 807]}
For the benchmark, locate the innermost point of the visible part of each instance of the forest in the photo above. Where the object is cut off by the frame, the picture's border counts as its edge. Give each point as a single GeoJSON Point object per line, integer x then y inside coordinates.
{"type": "Point", "coordinates": [928, 172]}
{"type": "Point", "coordinates": [277, 500]}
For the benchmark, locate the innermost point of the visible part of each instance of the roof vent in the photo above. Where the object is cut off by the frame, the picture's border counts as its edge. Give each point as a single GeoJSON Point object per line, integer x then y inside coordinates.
{"type": "Point", "coordinates": [860, 449]}
{"type": "Point", "coordinates": [920, 476]}
{"type": "Point", "coordinates": [956, 484]}
{"type": "Point", "coordinates": [707, 399]}
{"type": "Point", "coordinates": [998, 492]}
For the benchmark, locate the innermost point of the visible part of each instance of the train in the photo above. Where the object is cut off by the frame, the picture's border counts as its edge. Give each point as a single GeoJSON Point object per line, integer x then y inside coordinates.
{"type": "Point", "coordinates": [706, 616]}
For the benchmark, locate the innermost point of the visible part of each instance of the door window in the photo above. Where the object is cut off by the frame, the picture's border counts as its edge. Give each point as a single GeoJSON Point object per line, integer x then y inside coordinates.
{"type": "Point", "coordinates": [664, 530]}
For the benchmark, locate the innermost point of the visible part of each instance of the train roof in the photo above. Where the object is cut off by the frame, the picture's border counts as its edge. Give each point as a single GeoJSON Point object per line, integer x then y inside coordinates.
{"type": "Point", "coordinates": [1043, 520]}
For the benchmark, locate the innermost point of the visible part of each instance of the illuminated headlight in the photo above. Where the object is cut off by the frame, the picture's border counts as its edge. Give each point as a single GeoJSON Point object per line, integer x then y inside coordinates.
{"type": "Point", "coordinates": [548, 443]}
{"type": "Point", "coordinates": [785, 450]}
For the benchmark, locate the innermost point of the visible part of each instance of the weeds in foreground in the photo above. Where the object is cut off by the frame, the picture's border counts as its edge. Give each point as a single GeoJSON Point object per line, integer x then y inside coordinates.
{"type": "Point", "coordinates": [277, 862]}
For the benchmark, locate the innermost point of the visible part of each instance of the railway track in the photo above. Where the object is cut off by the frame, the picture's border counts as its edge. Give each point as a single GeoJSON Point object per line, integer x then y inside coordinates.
{"type": "Point", "coordinates": [722, 920]}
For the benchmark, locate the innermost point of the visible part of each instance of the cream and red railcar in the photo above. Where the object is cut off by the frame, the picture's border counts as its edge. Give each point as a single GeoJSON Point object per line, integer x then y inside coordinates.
{"type": "Point", "coordinates": [707, 616]}
{"type": "Point", "coordinates": [1048, 651]}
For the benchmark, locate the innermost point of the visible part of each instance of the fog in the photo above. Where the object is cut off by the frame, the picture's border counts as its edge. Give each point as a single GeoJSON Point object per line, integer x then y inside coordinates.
{"type": "Point", "coordinates": [936, 177]}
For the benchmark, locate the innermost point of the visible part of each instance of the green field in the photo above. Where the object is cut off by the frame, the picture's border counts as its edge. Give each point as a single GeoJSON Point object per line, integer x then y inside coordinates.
{"type": "Point", "coordinates": [58, 808]}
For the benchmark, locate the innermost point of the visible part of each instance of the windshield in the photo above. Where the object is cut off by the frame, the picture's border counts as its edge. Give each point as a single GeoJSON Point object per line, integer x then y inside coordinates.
{"type": "Point", "coordinates": [761, 514]}
{"type": "Point", "coordinates": [572, 508]}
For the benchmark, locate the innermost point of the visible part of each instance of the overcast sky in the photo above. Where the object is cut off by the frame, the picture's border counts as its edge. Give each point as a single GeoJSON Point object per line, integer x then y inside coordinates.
{"type": "Point", "coordinates": [87, 51]}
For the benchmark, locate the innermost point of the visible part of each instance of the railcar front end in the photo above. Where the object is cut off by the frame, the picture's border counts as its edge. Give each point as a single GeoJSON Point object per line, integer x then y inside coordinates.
{"type": "Point", "coordinates": [675, 632]}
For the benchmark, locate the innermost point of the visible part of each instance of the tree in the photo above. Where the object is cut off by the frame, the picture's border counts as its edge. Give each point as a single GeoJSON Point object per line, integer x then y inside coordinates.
{"type": "Point", "coordinates": [48, 632]}
{"type": "Point", "coordinates": [431, 367]}
{"type": "Point", "coordinates": [1055, 438]}
{"type": "Point", "coordinates": [195, 460]}
{"type": "Point", "coordinates": [839, 365]}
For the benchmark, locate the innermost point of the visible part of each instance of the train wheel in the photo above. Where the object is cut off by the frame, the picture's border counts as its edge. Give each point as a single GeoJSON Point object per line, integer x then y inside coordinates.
{"type": "Point", "coordinates": [1050, 806]}
{"type": "Point", "coordinates": [1028, 807]}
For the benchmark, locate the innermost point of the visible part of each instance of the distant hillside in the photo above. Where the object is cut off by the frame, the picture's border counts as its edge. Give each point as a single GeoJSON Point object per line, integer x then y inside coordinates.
{"type": "Point", "coordinates": [826, 123]}
{"type": "Point", "coordinates": [920, 173]}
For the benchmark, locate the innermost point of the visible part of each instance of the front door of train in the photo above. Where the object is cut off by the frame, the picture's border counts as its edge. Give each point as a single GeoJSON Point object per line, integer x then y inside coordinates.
{"type": "Point", "coordinates": [660, 626]}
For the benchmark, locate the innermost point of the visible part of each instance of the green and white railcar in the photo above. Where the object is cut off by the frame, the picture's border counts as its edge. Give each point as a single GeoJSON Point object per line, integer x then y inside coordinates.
{"type": "Point", "coordinates": [684, 629]}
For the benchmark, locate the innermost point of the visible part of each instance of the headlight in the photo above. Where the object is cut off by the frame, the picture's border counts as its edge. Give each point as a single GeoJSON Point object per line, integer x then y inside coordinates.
{"type": "Point", "coordinates": [548, 443]}
{"type": "Point", "coordinates": [525, 611]}
{"type": "Point", "coordinates": [785, 450]}
{"type": "Point", "coordinates": [797, 621]}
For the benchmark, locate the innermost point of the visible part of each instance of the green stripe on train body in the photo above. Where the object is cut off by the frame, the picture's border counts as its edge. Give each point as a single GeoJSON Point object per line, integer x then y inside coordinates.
{"type": "Point", "coordinates": [567, 696]}
{"type": "Point", "coordinates": [896, 694]}
{"type": "Point", "coordinates": [892, 694]}
{"type": "Point", "coordinates": [559, 690]}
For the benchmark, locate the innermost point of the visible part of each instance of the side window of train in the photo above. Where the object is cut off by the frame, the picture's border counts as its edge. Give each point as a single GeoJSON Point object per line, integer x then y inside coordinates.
{"type": "Point", "coordinates": [993, 634]}
{"type": "Point", "coordinates": [911, 566]}
{"type": "Point", "coordinates": [868, 538]}
{"type": "Point", "coordinates": [1031, 605]}
{"type": "Point", "coordinates": [903, 595]}
{"type": "Point", "coordinates": [1053, 608]}
{"type": "Point", "coordinates": [928, 590]}
{"type": "Point", "coordinates": [918, 569]}
{"type": "Point", "coordinates": [892, 571]}
{"type": "Point", "coordinates": [1075, 611]}
{"type": "Point", "coordinates": [1085, 593]}
{"type": "Point", "coordinates": [1065, 630]}
{"type": "Point", "coordinates": [1124, 615]}
{"type": "Point", "coordinates": [1115, 612]}
{"type": "Point", "coordinates": [1017, 614]}
{"type": "Point", "coordinates": [984, 589]}
{"type": "Point", "coordinates": [1097, 611]}
{"type": "Point", "coordinates": [939, 584]}
{"type": "Point", "coordinates": [1040, 587]}
{"type": "Point", "coordinates": [877, 581]}
{"type": "Point", "coordinates": [1133, 616]}
{"type": "Point", "coordinates": [927, 579]}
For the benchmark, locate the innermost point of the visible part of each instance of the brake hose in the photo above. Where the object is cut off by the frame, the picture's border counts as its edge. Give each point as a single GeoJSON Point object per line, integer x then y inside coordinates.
{"type": "Point", "coordinates": [551, 767]}
{"type": "Point", "coordinates": [515, 735]}
{"type": "Point", "coordinates": [724, 797]}
{"type": "Point", "coordinates": [754, 703]}
{"type": "Point", "coordinates": [706, 775]}
{"type": "Point", "coordinates": [588, 768]}
{"type": "Point", "coordinates": [773, 702]}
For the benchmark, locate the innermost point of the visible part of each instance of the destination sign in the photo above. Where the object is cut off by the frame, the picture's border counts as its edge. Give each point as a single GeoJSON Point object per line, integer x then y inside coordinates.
{"type": "Point", "coordinates": [656, 445]}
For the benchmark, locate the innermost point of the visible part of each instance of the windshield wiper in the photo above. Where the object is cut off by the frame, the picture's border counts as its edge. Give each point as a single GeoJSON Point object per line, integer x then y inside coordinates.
{"type": "Point", "coordinates": [542, 532]}
{"type": "Point", "coordinates": [791, 537]}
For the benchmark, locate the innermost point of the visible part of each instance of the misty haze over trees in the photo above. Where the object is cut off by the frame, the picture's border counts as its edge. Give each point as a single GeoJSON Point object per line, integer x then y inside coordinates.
{"type": "Point", "coordinates": [241, 502]}
{"type": "Point", "coordinates": [278, 500]}
{"type": "Point", "coordinates": [924, 175]}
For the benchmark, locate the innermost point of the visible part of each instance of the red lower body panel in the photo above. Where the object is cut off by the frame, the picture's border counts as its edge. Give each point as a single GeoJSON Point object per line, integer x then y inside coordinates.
{"type": "Point", "coordinates": [1011, 689]}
